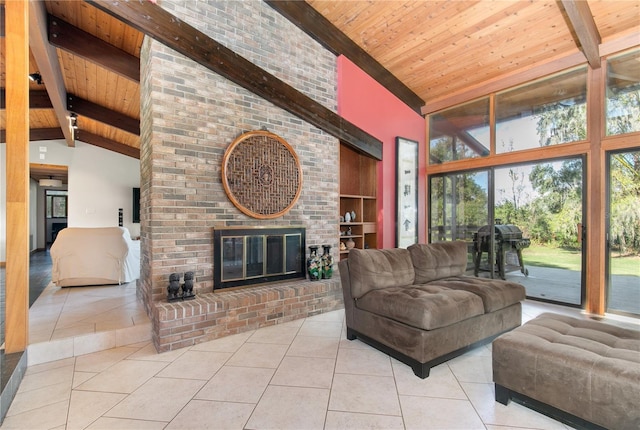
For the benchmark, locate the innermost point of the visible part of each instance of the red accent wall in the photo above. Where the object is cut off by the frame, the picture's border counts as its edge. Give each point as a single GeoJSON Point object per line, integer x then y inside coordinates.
{"type": "Point", "coordinates": [367, 104]}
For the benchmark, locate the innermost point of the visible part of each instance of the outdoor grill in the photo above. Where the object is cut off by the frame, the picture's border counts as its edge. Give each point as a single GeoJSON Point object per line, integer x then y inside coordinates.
{"type": "Point", "coordinates": [509, 244]}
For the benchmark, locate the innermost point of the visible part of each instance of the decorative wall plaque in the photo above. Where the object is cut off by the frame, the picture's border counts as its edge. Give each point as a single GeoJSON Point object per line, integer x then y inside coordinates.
{"type": "Point", "coordinates": [261, 174]}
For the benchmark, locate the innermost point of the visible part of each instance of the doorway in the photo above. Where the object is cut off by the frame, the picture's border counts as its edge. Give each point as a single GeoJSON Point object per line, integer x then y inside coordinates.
{"type": "Point", "coordinates": [623, 233]}
{"type": "Point", "coordinates": [521, 223]}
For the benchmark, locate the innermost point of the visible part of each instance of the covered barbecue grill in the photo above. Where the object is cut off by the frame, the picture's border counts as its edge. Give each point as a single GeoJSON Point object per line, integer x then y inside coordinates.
{"type": "Point", "coordinates": [509, 244]}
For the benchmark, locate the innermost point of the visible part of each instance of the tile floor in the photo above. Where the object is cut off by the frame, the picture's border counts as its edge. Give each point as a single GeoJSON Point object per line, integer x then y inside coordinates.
{"type": "Point", "coordinates": [67, 322]}
{"type": "Point", "coordinates": [299, 375]}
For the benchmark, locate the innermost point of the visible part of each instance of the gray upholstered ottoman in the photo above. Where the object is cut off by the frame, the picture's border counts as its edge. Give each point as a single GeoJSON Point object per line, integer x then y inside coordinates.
{"type": "Point", "coordinates": [582, 372]}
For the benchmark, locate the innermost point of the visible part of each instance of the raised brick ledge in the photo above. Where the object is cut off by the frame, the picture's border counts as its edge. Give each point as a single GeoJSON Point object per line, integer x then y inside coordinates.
{"type": "Point", "coordinates": [217, 314]}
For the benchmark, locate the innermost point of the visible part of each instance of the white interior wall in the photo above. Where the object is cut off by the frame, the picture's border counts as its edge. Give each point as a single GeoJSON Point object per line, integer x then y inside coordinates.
{"type": "Point", "coordinates": [100, 182]}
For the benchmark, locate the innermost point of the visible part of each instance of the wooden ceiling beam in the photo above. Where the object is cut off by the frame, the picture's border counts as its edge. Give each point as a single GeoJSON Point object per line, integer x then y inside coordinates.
{"type": "Point", "coordinates": [85, 45]}
{"type": "Point", "coordinates": [100, 113]}
{"type": "Point", "coordinates": [582, 23]}
{"type": "Point", "coordinates": [38, 99]}
{"type": "Point", "coordinates": [105, 143]}
{"type": "Point", "coordinates": [47, 59]}
{"type": "Point", "coordinates": [157, 23]}
{"type": "Point", "coordinates": [332, 38]}
{"type": "Point", "coordinates": [36, 134]}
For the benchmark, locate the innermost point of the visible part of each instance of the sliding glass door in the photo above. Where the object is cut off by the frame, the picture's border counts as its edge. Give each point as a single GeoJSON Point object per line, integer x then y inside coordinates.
{"type": "Point", "coordinates": [521, 223]}
{"type": "Point", "coordinates": [623, 240]}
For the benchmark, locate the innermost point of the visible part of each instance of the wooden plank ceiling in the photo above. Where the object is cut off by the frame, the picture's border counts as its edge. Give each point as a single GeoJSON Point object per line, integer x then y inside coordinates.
{"type": "Point", "coordinates": [423, 51]}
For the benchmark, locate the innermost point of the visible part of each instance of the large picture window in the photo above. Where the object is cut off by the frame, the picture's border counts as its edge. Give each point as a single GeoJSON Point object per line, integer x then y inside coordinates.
{"type": "Point", "coordinates": [546, 112]}
{"type": "Point", "coordinates": [623, 94]}
{"type": "Point", "coordinates": [459, 133]}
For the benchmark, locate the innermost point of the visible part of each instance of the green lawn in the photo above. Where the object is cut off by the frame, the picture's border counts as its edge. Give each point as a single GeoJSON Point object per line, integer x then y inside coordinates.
{"type": "Point", "coordinates": [545, 256]}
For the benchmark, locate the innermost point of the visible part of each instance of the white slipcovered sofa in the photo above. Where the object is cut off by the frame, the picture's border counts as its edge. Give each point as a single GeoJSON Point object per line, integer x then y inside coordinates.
{"type": "Point", "coordinates": [94, 256]}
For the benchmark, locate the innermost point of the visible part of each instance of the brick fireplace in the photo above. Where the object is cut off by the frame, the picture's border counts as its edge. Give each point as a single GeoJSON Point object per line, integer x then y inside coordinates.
{"type": "Point", "coordinates": [189, 116]}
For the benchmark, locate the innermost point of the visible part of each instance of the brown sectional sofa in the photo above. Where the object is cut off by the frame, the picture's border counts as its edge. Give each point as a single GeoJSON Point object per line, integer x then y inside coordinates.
{"type": "Point", "coordinates": [417, 305]}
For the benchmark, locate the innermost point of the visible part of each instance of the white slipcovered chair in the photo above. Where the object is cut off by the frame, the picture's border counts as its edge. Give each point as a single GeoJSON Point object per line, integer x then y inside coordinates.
{"type": "Point", "coordinates": [94, 256]}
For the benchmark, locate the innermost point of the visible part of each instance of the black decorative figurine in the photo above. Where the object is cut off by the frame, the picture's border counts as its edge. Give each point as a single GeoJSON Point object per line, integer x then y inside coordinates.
{"type": "Point", "coordinates": [173, 288]}
{"type": "Point", "coordinates": [187, 287]}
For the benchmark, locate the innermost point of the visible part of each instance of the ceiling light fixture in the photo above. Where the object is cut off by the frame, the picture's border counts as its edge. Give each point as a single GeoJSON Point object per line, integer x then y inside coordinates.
{"type": "Point", "coordinates": [50, 182]}
{"type": "Point", "coordinates": [73, 118]}
{"type": "Point", "coordinates": [36, 77]}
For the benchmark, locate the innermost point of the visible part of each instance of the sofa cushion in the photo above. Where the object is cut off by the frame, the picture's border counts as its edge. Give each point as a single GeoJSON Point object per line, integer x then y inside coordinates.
{"type": "Point", "coordinates": [427, 307]}
{"type": "Point", "coordinates": [495, 293]}
{"type": "Point", "coordinates": [438, 260]}
{"type": "Point", "coordinates": [372, 269]}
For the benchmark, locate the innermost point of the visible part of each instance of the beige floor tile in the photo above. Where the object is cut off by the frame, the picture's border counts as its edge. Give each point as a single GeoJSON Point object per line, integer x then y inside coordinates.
{"type": "Point", "coordinates": [36, 399]}
{"type": "Point", "coordinates": [80, 377]}
{"type": "Point", "coordinates": [225, 344]}
{"type": "Point", "coordinates": [440, 383]}
{"type": "Point", "coordinates": [87, 406]}
{"type": "Point", "coordinates": [304, 372]}
{"type": "Point", "coordinates": [351, 421]}
{"type": "Point", "coordinates": [72, 330]}
{"type": "Point", "coordinates": [472, 368]}
{"type": "Point", "coordinates": [237, 384]}
{"type": "Point", "coordinates": [131, 335]}
{"type": "Point", "coordinates": [123, 377]}
{"type": "Point", "coordinates": [482, 396]}
{"type": "Point", "coordinates": [290, 408]}
{"type": "Point", "coordinates": [202, 414]}
{"type": "Point", "coordinates": [279, 334]}
{"type": "Point", "coordinates": [149, 353]}
{"type": "Point", "coordinates": [107, 423]}
{"type": "Point", "coordinates": [196, 365]}
{"type": "Point", "coordinates": [317, 347]}
{"type": "Point", "coordinates": [352, 344]}
{"type": "Point", "coordinates": [321, 328]}
{"type": "Point", "coordinates": [101, 360]}
{"type": "Point", "coordinates": [364, 394]}
{"type": "Point", "coordinates": [95, 342]}
{"type": "Point", "coordinates": [442, 414]}
{"type": "Point", "coordinates": [50, 365]}
{"type": "Point", "coordinates": [44, 352]}
{"type": "Point", "coordinates": [333, 316]}
{"type": "Point", "coordinates": [363, 362]}
{"type": "Point", "coordinates": [46, 417]}
{"type": "Point", "coordinates": [160, 399]}
{"type": "Point", "coordinates": [58, 375]}
{"type": "Point", "coordinates": [258, 355]}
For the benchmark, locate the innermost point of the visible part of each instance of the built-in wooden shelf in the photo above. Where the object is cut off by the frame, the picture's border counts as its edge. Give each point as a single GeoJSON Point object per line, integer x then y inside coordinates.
{"type": "Point", "coordinates": [358, 183]}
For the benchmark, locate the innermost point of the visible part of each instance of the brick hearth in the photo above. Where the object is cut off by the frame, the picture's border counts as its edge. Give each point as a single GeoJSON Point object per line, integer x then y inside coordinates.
{"type": "Point", "coordinates": [213, 315]}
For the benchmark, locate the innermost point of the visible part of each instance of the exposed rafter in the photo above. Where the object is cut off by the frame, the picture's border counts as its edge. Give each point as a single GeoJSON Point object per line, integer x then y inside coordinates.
{"type": "Point", "coordinates": [36, 134]}
{"type": "Point", "coordinates": [72, 39]}
{"type": "Point", "coordinates": [328, 35]}
{"type": "Point", "coordinates": [38, 99]}
{"type": "Point", "coordinates": [585, 29]}
{"type": "Point", "coordinates": [168, 29]}
{"type": "Point", "coordinates": [111, 145]}
{"type": "Point", "coordinates": [47, 59]}
{"type": "Point", "coordinates": [99, 113]}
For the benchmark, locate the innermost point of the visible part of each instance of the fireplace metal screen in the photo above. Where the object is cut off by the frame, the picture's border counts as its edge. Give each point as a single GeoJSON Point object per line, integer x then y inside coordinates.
{"type": "Point", "coordinates": [246, 256]}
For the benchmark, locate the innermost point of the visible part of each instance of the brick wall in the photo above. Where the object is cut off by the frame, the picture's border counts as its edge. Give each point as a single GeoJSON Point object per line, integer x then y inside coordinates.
{"type": "Point", "coordinates": [189, 116]}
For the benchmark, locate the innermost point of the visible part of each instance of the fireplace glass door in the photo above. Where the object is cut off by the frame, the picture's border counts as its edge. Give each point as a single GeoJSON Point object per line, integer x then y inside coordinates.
{"type": "Point", "coordinates": [251, 256]}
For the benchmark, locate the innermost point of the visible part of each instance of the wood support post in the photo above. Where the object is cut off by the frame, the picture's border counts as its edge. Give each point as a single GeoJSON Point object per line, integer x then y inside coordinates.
{"type": "Point", "coordinates": [596, 198]}
{"type": "Point", "coordinates": [17, 141]}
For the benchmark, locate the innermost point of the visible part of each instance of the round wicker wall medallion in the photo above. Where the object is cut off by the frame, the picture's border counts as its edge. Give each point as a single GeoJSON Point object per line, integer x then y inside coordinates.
{"type": "Point", "coordinates": [261, 174]}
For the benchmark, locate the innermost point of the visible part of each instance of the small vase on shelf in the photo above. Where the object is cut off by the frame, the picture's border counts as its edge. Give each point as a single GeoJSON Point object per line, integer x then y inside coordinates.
{"type": "Point", "coordinates": [314, 264]}
{"type": "Point", "coordinates": [347, 217]}
{"type": "Point", "coordinates": [350, 244]}
{"type": "Point", "coordinates": [327, 262]}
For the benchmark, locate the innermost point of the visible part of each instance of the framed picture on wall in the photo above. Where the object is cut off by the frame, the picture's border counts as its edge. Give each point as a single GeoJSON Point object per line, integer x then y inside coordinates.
{"type": "Point", "coordinates": [406, 192]}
